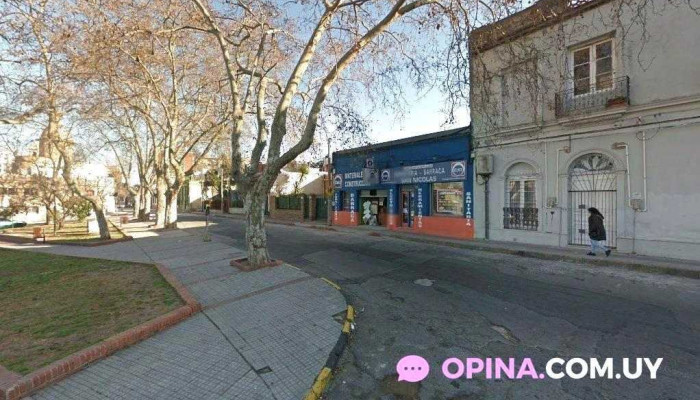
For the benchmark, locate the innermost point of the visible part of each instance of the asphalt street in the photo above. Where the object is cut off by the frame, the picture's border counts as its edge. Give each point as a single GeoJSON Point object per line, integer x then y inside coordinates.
{"type": "Point", "coordinates": [440, 302]}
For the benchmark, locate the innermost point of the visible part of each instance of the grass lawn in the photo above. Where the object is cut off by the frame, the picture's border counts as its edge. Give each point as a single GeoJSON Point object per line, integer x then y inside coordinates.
{"type": "Point", "coordinates": [72, 232]}
{"type": "Point", "coordinates": [52, 306]}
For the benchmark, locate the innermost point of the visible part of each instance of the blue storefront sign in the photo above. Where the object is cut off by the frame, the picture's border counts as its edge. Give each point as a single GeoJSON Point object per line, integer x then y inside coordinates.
{"type": "Point", "coordinates": [445, 171]}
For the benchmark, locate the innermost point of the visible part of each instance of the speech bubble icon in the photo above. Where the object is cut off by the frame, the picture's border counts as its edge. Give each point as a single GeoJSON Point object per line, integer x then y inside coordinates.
{"type": "Point", "coordinates": [412, 368]}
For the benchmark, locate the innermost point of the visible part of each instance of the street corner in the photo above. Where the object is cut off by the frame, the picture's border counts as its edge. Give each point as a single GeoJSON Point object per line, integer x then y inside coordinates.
{"type": "Point", "coordinates": [326, 374]}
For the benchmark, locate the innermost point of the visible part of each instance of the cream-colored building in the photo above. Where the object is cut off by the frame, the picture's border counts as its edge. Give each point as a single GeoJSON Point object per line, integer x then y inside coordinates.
{"type": "Point", "coordinates": [589, 104]}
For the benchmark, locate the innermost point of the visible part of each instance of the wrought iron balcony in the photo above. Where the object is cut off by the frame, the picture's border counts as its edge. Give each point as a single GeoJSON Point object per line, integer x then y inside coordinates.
{"type": "Point", "coordinates": [569, 103]}
{"type": "Point", "coordinates": [520, 218]}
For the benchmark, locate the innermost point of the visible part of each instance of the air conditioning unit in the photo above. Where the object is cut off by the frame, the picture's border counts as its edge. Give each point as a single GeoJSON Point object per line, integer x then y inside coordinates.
{"type": "Point", "coordinates": [484, 164]}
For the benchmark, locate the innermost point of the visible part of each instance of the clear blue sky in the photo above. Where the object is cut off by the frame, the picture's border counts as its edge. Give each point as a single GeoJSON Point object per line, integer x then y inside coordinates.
{"type": "Point", "coordinates": [424, 115]}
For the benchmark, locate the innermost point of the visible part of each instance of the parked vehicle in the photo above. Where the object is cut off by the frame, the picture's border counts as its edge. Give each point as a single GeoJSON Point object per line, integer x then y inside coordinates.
{"type": "Point", "coordinates": [6, 224]}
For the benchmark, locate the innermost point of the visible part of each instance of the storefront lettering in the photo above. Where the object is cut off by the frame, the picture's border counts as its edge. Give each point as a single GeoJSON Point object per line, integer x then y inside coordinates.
{"type": "Point", "coordinates": [336, 205]}
{"type": "Point", "coordinates": [468, 207]}
{"type": "Point", "coordinates": [353, 175]}
{"type": "Point", "coordinates": [426, 173]}
{"type": "Point", "coordinates": [352, 207]}
{"type": "Point", "coordinates": [355, 184]}
{"type": "Point", "coordinates": [420, 207]}
{"type": "Point", "coordinates": [391, 201]}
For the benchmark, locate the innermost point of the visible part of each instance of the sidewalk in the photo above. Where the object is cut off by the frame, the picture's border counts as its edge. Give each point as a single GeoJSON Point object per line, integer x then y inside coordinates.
{"type": "Point", "coordinates": [657, 265]}
{"type": "Point", "coordinates": [264, 334]}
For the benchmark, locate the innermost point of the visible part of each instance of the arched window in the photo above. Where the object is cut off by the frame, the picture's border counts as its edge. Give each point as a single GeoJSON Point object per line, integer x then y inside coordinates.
{"type": "Point", "coordinates": [520, 211]}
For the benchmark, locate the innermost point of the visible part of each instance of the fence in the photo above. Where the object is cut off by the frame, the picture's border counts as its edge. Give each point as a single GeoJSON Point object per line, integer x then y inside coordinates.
{"type": "Point", "coordinates": [291, 202]}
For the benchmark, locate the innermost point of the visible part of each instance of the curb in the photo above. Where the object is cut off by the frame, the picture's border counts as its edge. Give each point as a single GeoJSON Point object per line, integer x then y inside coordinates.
{"type": "Point", "coordinates": [324, 377]}
{"type": "Point", "coordinates": [542, 255]}
{"type": "Point", "coordinates": [20, 386]}
{"type": "Point", "coordinates": [632, 266]}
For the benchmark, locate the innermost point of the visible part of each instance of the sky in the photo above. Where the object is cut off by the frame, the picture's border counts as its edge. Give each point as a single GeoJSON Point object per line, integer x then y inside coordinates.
{"type": "Point", "coordinates": [424, 115]}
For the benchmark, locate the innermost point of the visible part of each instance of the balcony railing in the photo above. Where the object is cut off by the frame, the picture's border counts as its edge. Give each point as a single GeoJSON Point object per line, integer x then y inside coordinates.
{"type": "Point", "coordinates": [568, 103]}
{"type": "Point", "coordinates": [520, 218]}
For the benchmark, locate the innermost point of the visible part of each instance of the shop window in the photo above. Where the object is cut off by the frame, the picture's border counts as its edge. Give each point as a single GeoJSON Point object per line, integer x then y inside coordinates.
{"type": "Point", "coordinates": [448, 199]}
{"type": "Point", "coordinates": [520, 211]}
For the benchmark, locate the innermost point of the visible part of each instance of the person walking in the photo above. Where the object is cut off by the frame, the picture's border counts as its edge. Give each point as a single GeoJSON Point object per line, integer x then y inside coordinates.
{"type": "Point", "coordinates": [596, 231]}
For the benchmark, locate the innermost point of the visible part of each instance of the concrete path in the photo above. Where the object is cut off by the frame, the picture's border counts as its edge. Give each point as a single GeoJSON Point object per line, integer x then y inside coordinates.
{"type": "Point", "coordinates": [262, 335]}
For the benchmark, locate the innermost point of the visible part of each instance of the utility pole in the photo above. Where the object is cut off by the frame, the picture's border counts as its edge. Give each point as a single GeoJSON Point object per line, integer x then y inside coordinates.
{"type": "Point", "coordinates": [221, 188]}
{"type": "Point", "coordinates": [329, 189]}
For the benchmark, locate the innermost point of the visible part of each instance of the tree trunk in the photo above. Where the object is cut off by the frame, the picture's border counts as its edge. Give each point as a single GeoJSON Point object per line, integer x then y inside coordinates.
{"type": "Point", "coordinates": [161, 195]}
{"type": "Point", "coordinates": [137, 202]}
{"type": "Point", "coordinates": [102, 222]}
{"type": "Point", "coordinates": [145, 211]}
{"type": "Point", "coordinates": [171, 214]}
{"type": "Point", "coordinates": [256, 237]}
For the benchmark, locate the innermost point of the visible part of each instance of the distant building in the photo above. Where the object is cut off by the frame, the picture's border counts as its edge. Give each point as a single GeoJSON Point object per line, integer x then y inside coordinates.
{"type": "Point", "coordinates": [298, 194]}
{"type": "Point", "coordinates": [17, 184]}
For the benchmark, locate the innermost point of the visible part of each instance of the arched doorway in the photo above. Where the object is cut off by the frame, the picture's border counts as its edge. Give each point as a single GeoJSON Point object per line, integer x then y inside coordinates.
{"type": "Point", "coordinates": [592, 183]}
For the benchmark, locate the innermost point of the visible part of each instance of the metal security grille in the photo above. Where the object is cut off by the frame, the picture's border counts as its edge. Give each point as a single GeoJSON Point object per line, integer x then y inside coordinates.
{"type": "Point", "coordinates": [592, 183]}
{"type": "Point", "coordinates": [520, 218]}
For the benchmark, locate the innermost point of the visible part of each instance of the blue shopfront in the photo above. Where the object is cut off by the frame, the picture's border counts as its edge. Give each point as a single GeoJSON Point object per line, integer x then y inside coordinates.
{"type": "Point", "coordinates": [422, 184]}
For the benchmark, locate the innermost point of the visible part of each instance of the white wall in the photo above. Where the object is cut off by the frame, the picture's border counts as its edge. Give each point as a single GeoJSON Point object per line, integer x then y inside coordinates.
{"type": "Point", "coordinates": [665, 108]}
{"type": "Point", "coordinates": [659, 56]}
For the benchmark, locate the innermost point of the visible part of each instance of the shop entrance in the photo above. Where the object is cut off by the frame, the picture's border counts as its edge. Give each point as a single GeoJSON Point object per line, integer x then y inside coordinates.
{"type": "Point", "coordinates": [373, 205]}
{"type": "Point", "coordinates": [408, 205]}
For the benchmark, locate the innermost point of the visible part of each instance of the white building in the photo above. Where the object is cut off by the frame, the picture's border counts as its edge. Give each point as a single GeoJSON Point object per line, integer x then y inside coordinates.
{"type": "Point", "coordinates": [596, 103]}
{"type": "Point", "coordinates": [291, 182]}
{"type": "Point", "coordinates": [97, 179]}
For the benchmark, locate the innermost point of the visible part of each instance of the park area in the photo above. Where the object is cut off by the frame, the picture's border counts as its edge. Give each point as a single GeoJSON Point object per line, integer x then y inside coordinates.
{"type": "Point", "coordinates": [72, 232]}
{"type": "Point", "coordinates": [52, 306]}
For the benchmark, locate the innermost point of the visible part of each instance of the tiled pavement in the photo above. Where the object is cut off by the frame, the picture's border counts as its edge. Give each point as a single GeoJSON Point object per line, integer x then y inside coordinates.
{"type": "Point", "coordinates": [262, 334]}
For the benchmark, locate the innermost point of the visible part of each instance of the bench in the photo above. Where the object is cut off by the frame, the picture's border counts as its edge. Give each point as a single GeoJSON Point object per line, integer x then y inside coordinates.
{"type": "Point", "coordinates": [39, 232]}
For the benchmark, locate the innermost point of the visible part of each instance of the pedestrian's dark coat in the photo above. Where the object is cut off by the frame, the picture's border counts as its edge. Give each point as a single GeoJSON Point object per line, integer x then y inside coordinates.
{"type": "Point", "coordinates": [596, 230]}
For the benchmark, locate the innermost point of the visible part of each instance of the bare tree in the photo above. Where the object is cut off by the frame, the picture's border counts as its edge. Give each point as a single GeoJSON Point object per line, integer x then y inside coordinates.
{"type": "Point", "coordinates": [309, 55]}
{"type": "Point", "coordinates": [166, 87]}
{"type": "Point", "coordinates": [39, 39]}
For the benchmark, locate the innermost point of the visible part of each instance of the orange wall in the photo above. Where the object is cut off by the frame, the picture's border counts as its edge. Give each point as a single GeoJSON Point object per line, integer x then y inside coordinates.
{"type": "Point", "coordinates": [458, 228]}
{"type": "Point", "coordinates": [393, 221]}
{"type": "Point", "coordinates": [346, 218]}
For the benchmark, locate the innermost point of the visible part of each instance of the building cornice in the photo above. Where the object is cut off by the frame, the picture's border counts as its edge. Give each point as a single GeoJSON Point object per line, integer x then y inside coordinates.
{"type": "Point", "coordinates": [540, 15]}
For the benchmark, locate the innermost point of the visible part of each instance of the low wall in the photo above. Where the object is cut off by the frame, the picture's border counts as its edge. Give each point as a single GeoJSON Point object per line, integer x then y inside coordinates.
{"type": "Point", "coordinates": [286, 215]}
{"type": "Point", "coordinates": [346, 218]}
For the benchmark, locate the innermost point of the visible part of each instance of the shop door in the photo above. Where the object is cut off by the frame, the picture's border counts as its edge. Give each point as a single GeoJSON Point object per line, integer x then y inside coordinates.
{"type": "Point", "coordinates": [408, 201]}
{"type": "Point", "coordinates": [321, 208]}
